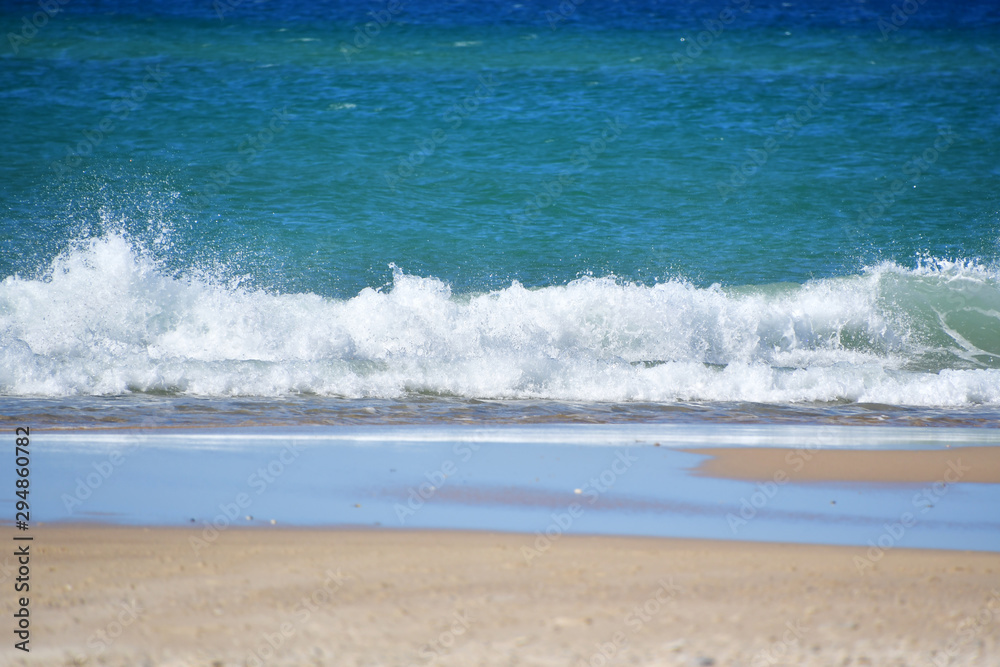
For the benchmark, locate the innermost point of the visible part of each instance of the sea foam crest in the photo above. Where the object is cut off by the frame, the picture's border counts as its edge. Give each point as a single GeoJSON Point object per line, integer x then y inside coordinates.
{"type": "Point", "coordinates": [106, 320]}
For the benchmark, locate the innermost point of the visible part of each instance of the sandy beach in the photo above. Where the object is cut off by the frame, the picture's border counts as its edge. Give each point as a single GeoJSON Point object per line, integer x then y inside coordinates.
{"type": "Point", "coordinates": [133, 595]}
{"type": "Point", "coordinates": [115, 584]}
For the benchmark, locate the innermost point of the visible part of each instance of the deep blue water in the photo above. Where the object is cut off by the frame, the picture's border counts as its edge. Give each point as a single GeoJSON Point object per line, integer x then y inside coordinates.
{"type": "Point", "coordinates": [710, 205]}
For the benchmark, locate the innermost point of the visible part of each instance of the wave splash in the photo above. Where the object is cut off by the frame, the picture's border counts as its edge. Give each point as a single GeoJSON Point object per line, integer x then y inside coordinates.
{"type": "Point", "coordinates": [107, 320]}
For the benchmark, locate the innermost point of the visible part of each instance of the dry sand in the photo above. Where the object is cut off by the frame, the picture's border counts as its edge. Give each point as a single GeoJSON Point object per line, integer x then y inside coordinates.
{"type": "Point", "coordinates": [135, 596]}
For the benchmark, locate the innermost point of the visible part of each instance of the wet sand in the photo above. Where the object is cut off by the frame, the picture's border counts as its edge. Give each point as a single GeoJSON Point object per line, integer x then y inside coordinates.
{"type": "Point", "coordinates": [951, 465]}
{"type": "Point", "coordinates": [165, 596]}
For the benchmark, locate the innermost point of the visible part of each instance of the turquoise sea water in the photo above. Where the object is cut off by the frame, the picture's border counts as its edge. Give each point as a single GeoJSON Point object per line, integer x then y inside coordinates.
{"type": "Point", "coordinates": [248, 211]}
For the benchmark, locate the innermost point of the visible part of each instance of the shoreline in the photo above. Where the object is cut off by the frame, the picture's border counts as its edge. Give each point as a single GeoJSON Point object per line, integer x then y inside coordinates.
{"type": "Point", "coordinates": [182, 411]}
{"type": "Point", "coordinates": [124, 595]}
{"type": "Point", "coordinates": [610, 481]}
{"type": "Point", "coordinates": [264, 528]}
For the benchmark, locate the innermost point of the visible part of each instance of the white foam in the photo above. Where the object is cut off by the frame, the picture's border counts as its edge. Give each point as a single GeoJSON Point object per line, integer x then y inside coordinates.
{"type": "Point", "coordinates": [107, 320]}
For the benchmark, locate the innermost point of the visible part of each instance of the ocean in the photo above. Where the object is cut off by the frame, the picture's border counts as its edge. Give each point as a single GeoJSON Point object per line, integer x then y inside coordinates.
{"type": "Point", "coordinates": [247, 213]}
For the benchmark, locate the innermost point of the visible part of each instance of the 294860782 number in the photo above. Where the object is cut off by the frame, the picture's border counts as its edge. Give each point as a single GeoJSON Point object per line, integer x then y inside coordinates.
{"type": "Point", "coordinates": [22, 462]}
{"type": "Point", "coordinates": [22, 542]}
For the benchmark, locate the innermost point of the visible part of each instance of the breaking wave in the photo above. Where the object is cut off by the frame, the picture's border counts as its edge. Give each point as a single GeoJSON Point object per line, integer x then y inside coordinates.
{"type": "Point", "coordinates": [106, 319]}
